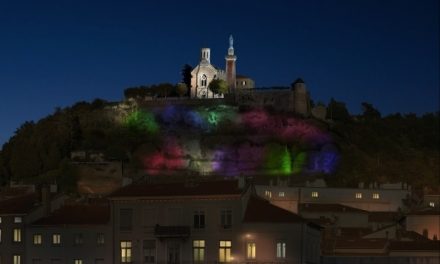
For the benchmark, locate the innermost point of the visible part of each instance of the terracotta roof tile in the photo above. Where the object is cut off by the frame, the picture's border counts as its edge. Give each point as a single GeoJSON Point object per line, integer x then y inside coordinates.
{"type": "Point", "coordinates": [19, 205]}
{"type": "Point", "coordinates": [374, 243]}
{"type": "Point", "coordinates": [323, 207]}
{"type": "Point", "coordinates": [79, 214]}
{"type": "Point", "coordinates": [179, 189]}
{"type": "Point", "coordinates": [428, 245]}
{"type": "Point", "coordinates": [261, 210]}
{"type": "Point", "coordinates": [427, 211]}
{"type": "Point", "coordinates": [383, 217]}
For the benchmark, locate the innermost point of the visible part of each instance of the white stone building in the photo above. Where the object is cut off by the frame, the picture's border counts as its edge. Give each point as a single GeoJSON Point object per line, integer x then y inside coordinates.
{"type": "Point", "coordinates": [203, 74]}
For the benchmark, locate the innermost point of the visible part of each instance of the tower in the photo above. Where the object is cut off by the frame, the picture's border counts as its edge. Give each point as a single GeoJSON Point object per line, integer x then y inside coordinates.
{"type": "Point", "coordinates": [230, 66]}
{"type": "Point", "coordinates": [205, 56]}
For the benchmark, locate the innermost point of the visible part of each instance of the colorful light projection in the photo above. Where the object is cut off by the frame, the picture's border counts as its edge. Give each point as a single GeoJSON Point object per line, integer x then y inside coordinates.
{"type": "Point", "coordinates": [258, 142]}
{"type": "Point", "coordinates": [142, 121]}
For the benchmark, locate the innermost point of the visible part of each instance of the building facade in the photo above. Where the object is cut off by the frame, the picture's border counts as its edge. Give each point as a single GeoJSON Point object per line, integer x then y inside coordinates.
{"type": "Point", "coordinates": [203, 74]}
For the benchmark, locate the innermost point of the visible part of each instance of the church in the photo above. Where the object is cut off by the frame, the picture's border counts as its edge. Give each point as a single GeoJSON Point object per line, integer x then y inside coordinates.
{"type": "Point", "coordinates": [205, 72]}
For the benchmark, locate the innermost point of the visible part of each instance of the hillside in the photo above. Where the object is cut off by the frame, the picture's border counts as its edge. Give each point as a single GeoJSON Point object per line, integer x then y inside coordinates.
{"type": "Point", "coordinates": [228, 141]}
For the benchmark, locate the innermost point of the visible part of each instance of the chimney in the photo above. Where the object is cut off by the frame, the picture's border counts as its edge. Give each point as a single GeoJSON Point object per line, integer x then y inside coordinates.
{"type": "Point", "coordinates": [45, 199]}
{"type": "Point", "coordinates": [241, 182]}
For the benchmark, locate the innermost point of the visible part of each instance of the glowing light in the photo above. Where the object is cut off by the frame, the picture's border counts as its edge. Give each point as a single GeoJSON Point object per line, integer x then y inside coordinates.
{"type": "Point", "coordinates": [142, 121]}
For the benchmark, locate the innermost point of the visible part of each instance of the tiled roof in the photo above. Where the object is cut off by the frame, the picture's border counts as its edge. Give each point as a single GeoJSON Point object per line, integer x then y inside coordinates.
{"type": "Point", "coordinates": [382, 217]}
{"type": "Point", "coordinates": [78, 214]}
{"type": "Point", "coordinates": [261, 210]}
{"type": "Point", "coordinates": [19, 205]}
{"type": "Point", "coordinates": [323, 207]}
{"type": "Point", "coordinates": [428, 211]}
{"type": "Point", "coordinates": [374, 243]}
{"type": "Point", "coordinates": [428, 245]}
{"type": "Point", "coordinates": [209, 188]}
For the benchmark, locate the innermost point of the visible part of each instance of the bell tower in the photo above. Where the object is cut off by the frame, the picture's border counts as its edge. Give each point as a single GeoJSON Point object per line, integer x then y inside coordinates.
{"type": "Point", "coordinates": [230, 66]}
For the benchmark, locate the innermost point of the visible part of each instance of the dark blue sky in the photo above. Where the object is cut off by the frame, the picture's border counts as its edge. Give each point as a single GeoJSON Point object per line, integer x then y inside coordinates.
{"type": "Point", "coordinates": [54, 53]}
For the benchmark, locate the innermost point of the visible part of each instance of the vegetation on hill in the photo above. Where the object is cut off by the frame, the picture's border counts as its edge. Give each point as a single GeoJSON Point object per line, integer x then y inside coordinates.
{"type": "Point", "coordinates": [372, 148]}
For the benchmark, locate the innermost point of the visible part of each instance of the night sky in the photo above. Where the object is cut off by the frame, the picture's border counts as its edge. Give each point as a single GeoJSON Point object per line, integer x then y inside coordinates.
{"type": "Point", "coordinates": [55, 53]}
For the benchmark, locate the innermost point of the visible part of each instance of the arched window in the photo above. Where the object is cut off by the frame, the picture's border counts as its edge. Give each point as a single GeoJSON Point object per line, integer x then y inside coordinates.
{"type": "Point", "coordinates": [203, 79]}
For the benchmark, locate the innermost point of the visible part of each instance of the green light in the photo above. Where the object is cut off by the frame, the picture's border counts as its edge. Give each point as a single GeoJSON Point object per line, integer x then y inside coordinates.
{"type": "Point", "coordinates": [142, 121]}
{"type": "Point", "coordinates": [286, 163]}
{"type": "Point", "coordinates": [298, 163]}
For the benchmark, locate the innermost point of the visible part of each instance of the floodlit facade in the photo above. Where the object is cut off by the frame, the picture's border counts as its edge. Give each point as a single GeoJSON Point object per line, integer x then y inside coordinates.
{"type": "Point", "coordinates": [207, 222]}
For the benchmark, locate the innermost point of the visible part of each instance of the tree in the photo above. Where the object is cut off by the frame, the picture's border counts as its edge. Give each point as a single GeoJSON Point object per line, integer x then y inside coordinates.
{"type": "Point", "coordinates": [337, 111]}
{"type": "Point", "coordinates": [186, 74]}
{"type": "Point", "coordinates": [369, 112]}
{"type": "Point", "coordinates": [181, 89]}
{"type": "Point", "coordinates": [218, 86]}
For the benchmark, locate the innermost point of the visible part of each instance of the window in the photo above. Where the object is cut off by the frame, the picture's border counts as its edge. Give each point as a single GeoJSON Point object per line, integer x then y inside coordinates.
{"type": "Point", "coordinates": [16, 259]}
{"type": "Point", "coordinates": [18, 219]}
{"type": "Point", "coordinates": [375, 195]}
{"type": "Point", "coordinates": [0, 236]}
{"type": "Point", "coordinates": [199, 250]}
{"type": "Point", "coordinates": [431, 204]}
{"type": "Point", "coordinates": [281, 249]}
{"type": "Point", "coordinates": [100, 239]}
{"type": "Point", "coordinates": [78, 239]}
{"type": "Point", "coordinates": [358, 195]}
{"type": "Point", "coordinates": [199, 219]}
{"type": "Point", "coordinates": [149, 251]}
{"type": "Point", "coordinates": [56, 239]}
{"type": "Point", "coordinates": [125, 219]}
{"type": "Point", "coordinates": [268, 194]}
{"type": "Point", "coordinates": [203, 81]}
{"type": "Point", "coordinates": [55, 261]}
{"type": "Point", "coordinates": [251, 249]}
{"type": "Point", "coordinates": [281, 194]}
{"type": "Point", "coordinates": [37, 239]}
{"type": "Point", "coordinates": [125, 251]}
{"type": "Point", "coordinates": [0, 219]}
{"type": "Point", "coordinates": [226, 218]}
{"type": "Point", "coordinates": [315, 194]}
{"type": "Point", "coordinates": [17, 235]}
{"type": "Point", "coordinates": [224, 253]}
{"type": "Point", "coordinates": [78, 261]}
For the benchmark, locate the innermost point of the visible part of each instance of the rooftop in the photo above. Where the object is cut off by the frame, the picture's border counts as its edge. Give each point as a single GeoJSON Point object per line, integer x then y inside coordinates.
{"type": "Point", "coordinates": [208, 188]}
{"type": "Point", "coordinates": [427, 245]}
{"type": "Point", "coordinates": [261, 210]}
{"type": "Point", "coordinates": [78, 214]}
{"type": "Point", "coordinates": [19, 205]}
{"type": "Point", "coordinates": [321, 207]}
{"type": "Point", "coordinates": [426, 211]}
{"type": "Point", "coordinates": [383, 217]}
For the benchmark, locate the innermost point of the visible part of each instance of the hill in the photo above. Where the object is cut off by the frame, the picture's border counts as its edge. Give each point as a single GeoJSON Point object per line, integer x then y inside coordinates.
{"type": "Point", "coordinates": [227, 140]}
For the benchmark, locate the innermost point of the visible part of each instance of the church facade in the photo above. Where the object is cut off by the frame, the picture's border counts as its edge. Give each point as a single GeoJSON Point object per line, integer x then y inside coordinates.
{"type": "Point", "coordinates": [203, 74]}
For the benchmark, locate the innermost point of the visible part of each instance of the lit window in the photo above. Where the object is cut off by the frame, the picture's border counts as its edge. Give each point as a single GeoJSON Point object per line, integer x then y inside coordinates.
{"type": "Point", "coordinates": [18, 219]}
{"type": "Point", "coordinates": [16, 259]}
{"type": "Point", "coordinates": [226, 218]}
{"type": "Point", "coordinates": [0, 219]}
{"type": "Point", "coordinates": [37, 239]}
{"type": "Point", "coordinates": [251, 250]}
{"type": "Point", "coordinates": [149, 251]}
{"type": "Point", "coordinates": [281, 250]}
{"type": "Point", "coordinates": [358, 195]}
{"type": "Point", "coordinates": [315, 194]}
{"type": "Point", "coordinates": [268, 194]}
{"type": "Point", "coordinates": [78, 239]}
{"type": "Point", "coordinates": [375, 195]}
{"type": "Point", "coordinates": [125, 251]}
{"type": "Point", "coordinates": [199, 250]}
{"type": "Point", "coordinates": [431, 204]}
{"type": "Point", "coordinates": [0, 235]}
{"type": "Point", "coordinates": [56, 239]}
{"type": "Point", "coordinates": [199, 219]}
{"type": "Point", "coordinates": [78, 261]}
{"type": "Point", "coordinates": [281, 194]}
{"type": "Point", "coordinates": [224, 254]}
{"type": "Point", "coordinates": [100, 239]}
{"type": "Point", "coordinates": [17, 235]}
